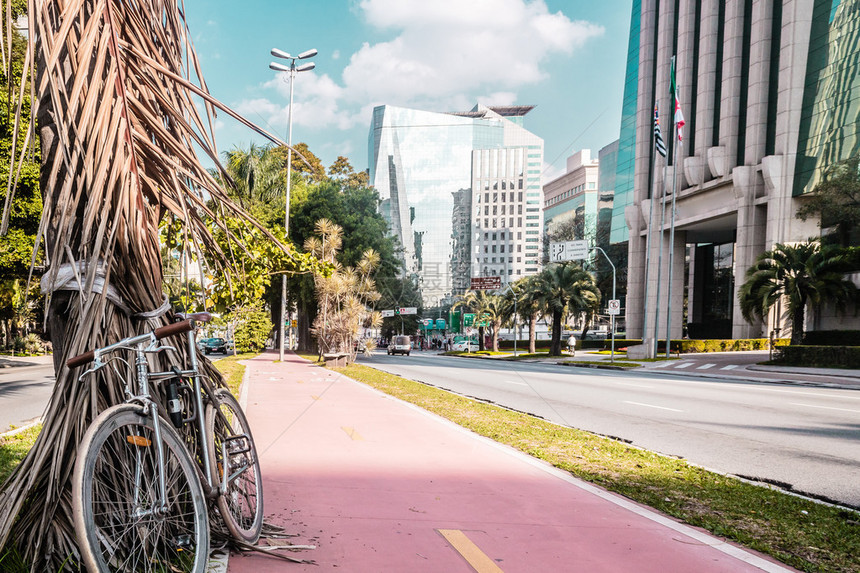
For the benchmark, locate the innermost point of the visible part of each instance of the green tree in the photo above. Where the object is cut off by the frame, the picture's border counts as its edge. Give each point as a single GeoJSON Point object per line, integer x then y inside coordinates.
{"type": "Point", "coordinates": [836, 200]}
{"type": "Point", "coordinates": [252, 327]}
{"type": "Point", "coordinates": [802, 274]}
{"type": "Point", "coordinates": [565, 288]}
{"type": "Point", "coordinates": [342, 172]}
{"type": "Point", "coordinates": [490, 311]}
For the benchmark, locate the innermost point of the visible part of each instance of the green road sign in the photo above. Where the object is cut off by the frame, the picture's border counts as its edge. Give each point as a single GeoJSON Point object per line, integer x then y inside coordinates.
{"type": "Point", "coordinates": [468, 319]}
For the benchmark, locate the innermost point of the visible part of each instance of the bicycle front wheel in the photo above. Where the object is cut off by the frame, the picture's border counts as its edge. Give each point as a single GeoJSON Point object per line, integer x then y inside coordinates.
{"type": "Point", "coordinates": [119, 520]}
{"type": "Point", "coordinates": [241, 506]}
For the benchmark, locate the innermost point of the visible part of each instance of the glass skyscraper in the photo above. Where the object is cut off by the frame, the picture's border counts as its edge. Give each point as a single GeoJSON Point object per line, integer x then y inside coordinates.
{"type": "Point", "coordinates": [461, 192]}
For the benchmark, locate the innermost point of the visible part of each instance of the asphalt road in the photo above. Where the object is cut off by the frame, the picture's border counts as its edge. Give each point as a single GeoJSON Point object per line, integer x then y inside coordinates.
{"type": "Point", "coordinates": [24, 394]}
{"type": "Point", "coordinates": [806, 439]}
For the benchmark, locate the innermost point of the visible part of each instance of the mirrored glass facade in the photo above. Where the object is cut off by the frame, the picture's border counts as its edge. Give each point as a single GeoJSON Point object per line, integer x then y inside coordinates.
{"type": "Point", "coordinates": [461, 192]}
{"type": "Point", "coordinates": [830, 121]}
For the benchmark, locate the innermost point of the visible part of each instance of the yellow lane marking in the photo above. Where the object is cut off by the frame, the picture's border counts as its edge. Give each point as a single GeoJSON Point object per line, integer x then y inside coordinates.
{"type": "Point", "coordinates": [470, 552]}
{"type": "Point", "coordinates": [356, 437]}
{"type": "Point", "coordinates": [315, 397]}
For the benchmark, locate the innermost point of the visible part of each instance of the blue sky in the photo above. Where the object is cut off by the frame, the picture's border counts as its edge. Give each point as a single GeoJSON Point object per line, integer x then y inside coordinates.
{"type": "Point", "coordinates": [565, 57]}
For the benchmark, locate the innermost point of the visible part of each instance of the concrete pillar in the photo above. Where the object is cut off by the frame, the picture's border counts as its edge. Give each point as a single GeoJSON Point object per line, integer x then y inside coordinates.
{"type": "Point", "coordinates": [732, 77]}
{"type": "Point", "coordinates": [676, 304]}
{"type": "Point", "coordinates": [642, 172]}
{"type": "Point", "coordinates": [751, 225]}
{"type": "Point", "coordinates": [696, 166]}
{"type": "Point", "coordinates": [759, 80]}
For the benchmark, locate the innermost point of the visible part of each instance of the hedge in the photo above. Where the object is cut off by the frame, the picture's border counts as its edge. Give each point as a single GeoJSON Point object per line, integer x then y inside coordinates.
{"type": "Point", "coordinates": [819, 356]}
{"type": "Point", "coordinates": [831, 338]}
{"type": "Point", "coordinates": [695, 346]}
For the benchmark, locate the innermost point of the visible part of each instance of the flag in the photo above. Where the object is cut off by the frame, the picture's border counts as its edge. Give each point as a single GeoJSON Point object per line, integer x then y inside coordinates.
{"type": "Point", "coordinates": [658, 134]}
{"type": "Point", "coordinates": [679, 116]}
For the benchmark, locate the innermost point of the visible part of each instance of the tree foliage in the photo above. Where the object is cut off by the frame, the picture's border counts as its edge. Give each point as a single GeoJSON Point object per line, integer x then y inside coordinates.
{"type": "Point", "coordinates": [802, 274]}
{"type": "Point", "coordinates": [563, 289]}
{"type": "Point", "coordinates": [836, 200]}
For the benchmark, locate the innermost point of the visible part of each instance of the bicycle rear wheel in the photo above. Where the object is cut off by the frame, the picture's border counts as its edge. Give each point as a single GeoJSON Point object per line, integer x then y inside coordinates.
{"type": "Point", "coordinates": [115, 495]}
{"type": "Point", "coordinates": [241, 506]}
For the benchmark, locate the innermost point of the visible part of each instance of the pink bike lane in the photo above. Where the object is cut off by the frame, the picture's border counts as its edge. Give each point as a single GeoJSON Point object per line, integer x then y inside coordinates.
{"type": "Point", "coordinates": [379, 485]}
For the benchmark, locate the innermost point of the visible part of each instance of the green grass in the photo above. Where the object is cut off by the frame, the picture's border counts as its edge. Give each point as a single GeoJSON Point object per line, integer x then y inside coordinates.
{"type": "Point", "coordinates": [233, 371]}
{"type": "Point", "coordinates": [798, 532]}
{"type": "Point", "coordinates": [14, 448]}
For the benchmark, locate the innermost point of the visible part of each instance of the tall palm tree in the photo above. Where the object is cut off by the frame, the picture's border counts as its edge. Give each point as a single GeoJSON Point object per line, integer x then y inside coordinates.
{"type": "Point", "coordinates": [120, 129]}
{"type": "Point", "coordinates": [802, 274]}
{"type": "Point", "coordinates": [528, 305]}
{"type": "Point", "coordinates": [565, 288]}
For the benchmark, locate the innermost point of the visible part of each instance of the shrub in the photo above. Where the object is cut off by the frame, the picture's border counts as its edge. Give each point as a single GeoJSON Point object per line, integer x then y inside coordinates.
{"type": "Point", "coordinates": [253, 327]}
{"type": "Point", "coordinates": [819, 356]}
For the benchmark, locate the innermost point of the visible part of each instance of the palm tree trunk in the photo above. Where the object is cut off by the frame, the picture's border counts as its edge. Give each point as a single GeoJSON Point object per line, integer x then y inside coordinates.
{"type": "Point", "coordinates": [532, 333]}
{"type": "Point", "coordinates": [555, 343]}
{"type": "Point", "coordinates": [797, 323]}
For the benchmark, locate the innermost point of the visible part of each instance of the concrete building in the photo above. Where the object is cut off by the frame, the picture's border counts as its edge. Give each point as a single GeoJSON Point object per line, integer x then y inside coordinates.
{"type": "Point", "coordinates": [770, 93]}
{"type": "Point", "coordinates": [461, 192]}
{"type": "Point", "coordinates": [571, 199]}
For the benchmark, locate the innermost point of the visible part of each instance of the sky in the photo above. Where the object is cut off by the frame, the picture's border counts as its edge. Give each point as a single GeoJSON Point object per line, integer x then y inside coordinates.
{"type": "Point", "coordinates": [566, 57]}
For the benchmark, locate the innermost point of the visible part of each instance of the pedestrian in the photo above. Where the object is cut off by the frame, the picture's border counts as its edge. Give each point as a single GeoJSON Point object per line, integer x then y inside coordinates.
{"type": "Point", "coordinates": [571, 345]}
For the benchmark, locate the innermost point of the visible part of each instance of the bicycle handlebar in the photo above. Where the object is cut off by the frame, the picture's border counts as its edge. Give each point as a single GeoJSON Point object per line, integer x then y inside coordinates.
{"type": "Point", "coordinates": [158, 333]}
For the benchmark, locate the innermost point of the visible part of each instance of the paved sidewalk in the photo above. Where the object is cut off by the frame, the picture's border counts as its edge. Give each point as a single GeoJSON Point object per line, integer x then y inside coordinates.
{"type": "Point", "coordinates": [378, 485]}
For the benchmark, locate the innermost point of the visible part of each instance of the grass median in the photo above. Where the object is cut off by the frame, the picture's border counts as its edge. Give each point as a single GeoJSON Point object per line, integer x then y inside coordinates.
{"type": "Point", "coordinates": [804, 534]}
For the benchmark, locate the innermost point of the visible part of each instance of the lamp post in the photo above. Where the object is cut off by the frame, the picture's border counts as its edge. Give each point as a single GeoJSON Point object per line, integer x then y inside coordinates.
{"type": "Point", "coordinates": [292, 70]}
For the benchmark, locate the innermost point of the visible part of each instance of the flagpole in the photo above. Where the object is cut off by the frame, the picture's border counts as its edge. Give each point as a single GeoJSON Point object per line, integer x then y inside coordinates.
{"type": "Point", "coordinates": [677, 143]}
{"type": "Point", "coordinates": [652, 352]}
{"type": "Point", "coordinates": [659, 268]}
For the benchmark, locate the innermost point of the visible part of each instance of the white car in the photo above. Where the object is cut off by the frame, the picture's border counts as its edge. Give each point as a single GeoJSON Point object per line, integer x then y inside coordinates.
{"type": "Point", "coordinates": [465, 346]}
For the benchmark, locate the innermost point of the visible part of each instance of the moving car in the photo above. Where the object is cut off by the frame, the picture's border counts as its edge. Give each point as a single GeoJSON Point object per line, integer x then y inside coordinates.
{"type": "Point", "coordinates": [211, 345]}
{"type": "Point", "coordinates": [400, 345]}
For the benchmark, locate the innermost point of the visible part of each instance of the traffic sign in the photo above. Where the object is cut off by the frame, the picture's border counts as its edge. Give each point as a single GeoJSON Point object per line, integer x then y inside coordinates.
{"type": "Point", "coordinates": [407, 310]}
{"type": "Point", "coordinates": [568, 251]}
{"type": "Point", "coordinates": [486, 283]}
{"type": "Point", "coordinates": [387, 313]}
{"type": "Point", "coordinates": [468, 319]}
{"type": "Point", "coordinates": [614, 307]}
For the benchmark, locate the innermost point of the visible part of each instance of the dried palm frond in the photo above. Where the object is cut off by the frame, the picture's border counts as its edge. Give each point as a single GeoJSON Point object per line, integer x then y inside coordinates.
{"type": "Point", "coordinates": [118, 126]}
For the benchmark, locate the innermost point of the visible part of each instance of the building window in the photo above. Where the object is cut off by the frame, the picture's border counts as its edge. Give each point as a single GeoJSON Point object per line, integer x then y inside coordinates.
{"type": "Point", "coordinates": [486, 223]}
{"type": "Point", "coordinates": [502, 249]}
{"type": "Point", "coordinates": [519, 235]}
{"type": "Point", "coordinates": [486, 209]}
{"type": "Point", "coordinates": [519, 221]}
{"type": "Point", "coordinates": [495, 197]}
{"type": "Point", "coordinates": [485, 249]}
{"type": "Point", "coordinates": [519, 248]}
{"type": "Point", "coordinates": [494, 248]}
{"type": "Point", "coordinates": [512, 222]}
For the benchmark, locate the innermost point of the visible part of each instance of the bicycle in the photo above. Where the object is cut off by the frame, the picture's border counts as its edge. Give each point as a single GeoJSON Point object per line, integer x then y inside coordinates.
{"type": "Point", "coordinates": [140, 488]}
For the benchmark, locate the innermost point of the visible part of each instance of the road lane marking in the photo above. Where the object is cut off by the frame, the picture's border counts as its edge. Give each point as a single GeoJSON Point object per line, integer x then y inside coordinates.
{"type": "Point", "coordinates": [840, 396]}
{"type": "Point", "coordinates": [356, 437]}
{"type": "Point", "coordinates": [652, 406]}
{"type": "Point", "coordinates": [517, 383]}
{"type": "Point", "coordinates": [729, 367]}
{"type": "Point", "coordinates": [633, 385]}
{"type": "Point", "coordinates": [684, 364]}
{"type": "Point", "coordinates": [662, 365]}
{"type": "Point", "coordinates": [705, 366]}
{"type": "Point", "coordinates": [470, 552]}
{"type": "Point", "coordinates": [826, 408]}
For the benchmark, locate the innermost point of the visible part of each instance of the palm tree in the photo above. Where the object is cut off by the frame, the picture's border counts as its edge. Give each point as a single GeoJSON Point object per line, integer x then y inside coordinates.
{"type": "Point", "coordinates": [478, 302]}
{"type": "Point", "coordinates": [802, 274]}
{"type": "Point", "coordinates": [119, 140]}
{"type": "Point", "coordinates": [258, 173]}
{"type": "Point", "coordinates": [528, 304]}
{"type": "Point", "coordinates": [565, 289]}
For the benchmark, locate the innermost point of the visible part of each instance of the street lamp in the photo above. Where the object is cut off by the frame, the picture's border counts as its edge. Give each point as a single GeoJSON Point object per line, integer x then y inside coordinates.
{"type": "Point", "coordinates": [292, 70]}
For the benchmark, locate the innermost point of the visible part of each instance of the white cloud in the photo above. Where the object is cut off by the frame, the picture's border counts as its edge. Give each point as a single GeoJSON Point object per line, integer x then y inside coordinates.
{"type": "Point", "coordinates": [441, 55]}
{"type": "Point", "coordinates": [449, 47]}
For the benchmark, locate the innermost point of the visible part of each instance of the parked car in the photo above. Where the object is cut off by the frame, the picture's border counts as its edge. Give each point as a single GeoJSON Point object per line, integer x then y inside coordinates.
{"type": "Point", "coordinates": [211, 345]}
{"type": "Point", "coordinates": [400, 345]}
{"type": "Point", "coordinates": [465, 346]}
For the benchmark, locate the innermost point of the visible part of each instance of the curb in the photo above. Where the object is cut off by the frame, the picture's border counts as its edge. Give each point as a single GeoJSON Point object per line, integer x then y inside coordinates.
{"type": "Point", "coordinates": [24, 428]}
